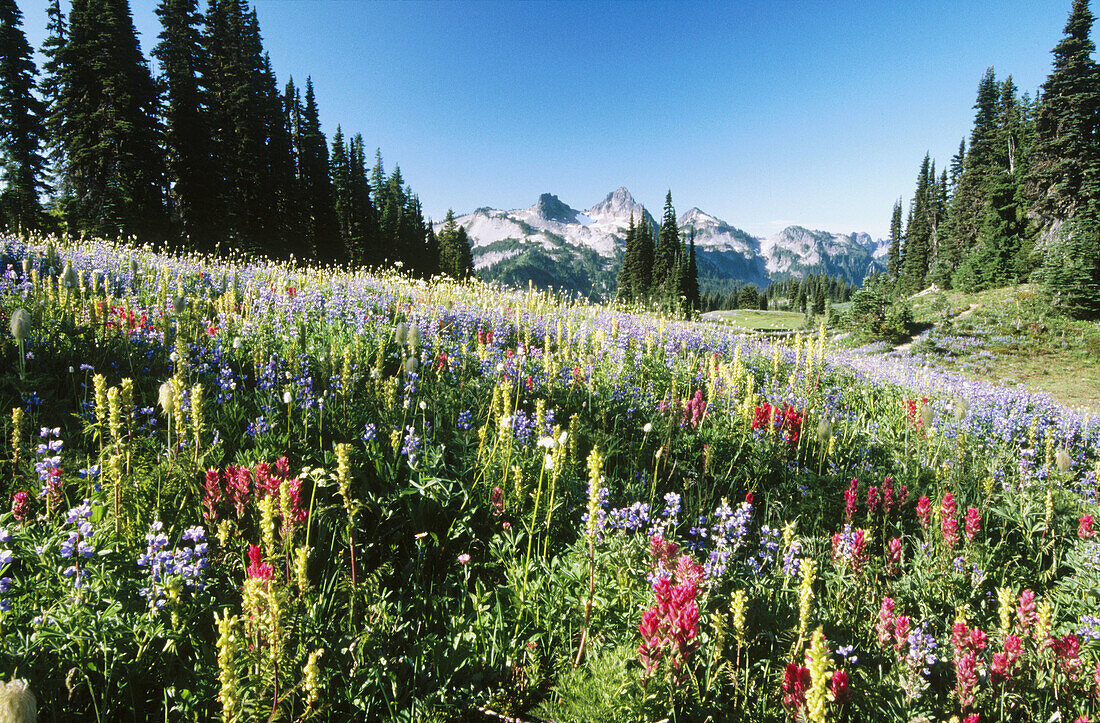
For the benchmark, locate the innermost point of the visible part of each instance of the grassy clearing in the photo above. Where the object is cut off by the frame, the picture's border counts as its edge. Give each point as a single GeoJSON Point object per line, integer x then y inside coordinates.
{"type": "Point", "coordinates": [1011, 334]}
{"type": "Point", "coordinates": [760, 320]}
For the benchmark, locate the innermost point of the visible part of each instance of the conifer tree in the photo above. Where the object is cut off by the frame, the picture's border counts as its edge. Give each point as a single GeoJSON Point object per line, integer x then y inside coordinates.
{"type": "Point", "coordinates": [21, 126]}
{"type": "Point", "coordinates": [107, 100]}
{"type": "Point", "coordinates": [666, 255]}
{"type": "Point", "coordinates": [919, 229]}
{"type": "Point", "coordinates": [316, 186]}
{"type": "Point", "coordinates": [1065, 156]}
{"type": "Point", "coordinates": [894, 258]}
{"type": "Point", "coordinates": [455, 256]}
{"type": "Point", "coordinates": [624, 287]}
{"type": "Point", "coordinates": [1070, 272]}
{"type": "Point", "coordinates": [340, 174]}
{"type": "Point", "coordinates": [692, 285]}
{"type": "Point", "coordinates": [958, 163]}
{"type": "Point", "coordinates": [642, 278]}
{"type": "Point", "coordinates": [192, 196]}
{"type": "Point", "coordinates": [49, 88]}
{"type": "Point", "coordinates": [245, 112]}
{"type": "Point", "coordinates": [959, 256]}
{"type": "Point", "coordinates": [364, 224]}
{"type": "Point", "coordinates": [280, 228]}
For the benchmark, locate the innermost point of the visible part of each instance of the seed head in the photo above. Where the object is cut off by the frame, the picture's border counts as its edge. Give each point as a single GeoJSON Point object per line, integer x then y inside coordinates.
{"type": "Point", "coordinates": [20, 324]}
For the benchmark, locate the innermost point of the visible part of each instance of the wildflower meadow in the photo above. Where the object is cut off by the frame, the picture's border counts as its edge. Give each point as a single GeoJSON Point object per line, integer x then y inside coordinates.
{"type": "Point", "coordinates": [243, 490]}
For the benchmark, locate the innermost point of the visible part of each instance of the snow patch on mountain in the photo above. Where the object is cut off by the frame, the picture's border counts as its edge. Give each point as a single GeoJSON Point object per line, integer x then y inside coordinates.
{"type": "Point", "coordinates": [592, 241]}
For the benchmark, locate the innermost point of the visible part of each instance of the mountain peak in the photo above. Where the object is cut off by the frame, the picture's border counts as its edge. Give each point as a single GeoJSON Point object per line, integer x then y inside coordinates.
{"type": "Point", "coordinates": [696, 217]}
{"type": "Point", "coordinates": [551, 208]}
{"type": "Point", "coordinates": [618, 205]}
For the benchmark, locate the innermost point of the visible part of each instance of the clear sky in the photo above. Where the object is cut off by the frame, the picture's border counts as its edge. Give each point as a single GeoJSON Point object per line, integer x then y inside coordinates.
{"type": "Point", "coordinates": [765, 113]}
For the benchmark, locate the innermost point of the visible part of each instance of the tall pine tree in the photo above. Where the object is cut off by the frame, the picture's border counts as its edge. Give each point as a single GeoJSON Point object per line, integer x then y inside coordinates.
{"type": "Point", "coordinates": [192, 193]}
{"type": "Point", "coordinates": [666, 256]}
{"type": "Point", "coordinates": [919, 232]}
{"type": "Point", "coordinates": [22, 167]}
{"type": "Point", "coordinates": [316, 186]}
{"type": "Point", "coordinates": [625, 283]}
{"type": "Point", "coordinates": [1065, 156]}
{"type": "Point", "coordinates": [113, 167]}
{"type": "Point", "coordinates": [894, 259]}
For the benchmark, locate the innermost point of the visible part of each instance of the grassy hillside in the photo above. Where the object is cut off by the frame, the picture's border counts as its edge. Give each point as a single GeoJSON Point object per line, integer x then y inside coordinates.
{"type": "Point", "coordinates": [1010, 334]}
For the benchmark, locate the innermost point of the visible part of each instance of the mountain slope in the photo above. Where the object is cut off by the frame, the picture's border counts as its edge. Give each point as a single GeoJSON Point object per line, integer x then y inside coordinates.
{"type": "Point", "coordinates": [552, 244]}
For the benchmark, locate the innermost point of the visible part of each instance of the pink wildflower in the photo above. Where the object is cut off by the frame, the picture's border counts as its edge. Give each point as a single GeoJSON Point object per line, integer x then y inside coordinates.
{"type": "Point", "coordinates": [796, 681]}
{"type": "Point", "coordinates": [688, 570]}
{"type": "Point", "coordinates": [893, 560]}
{"type": "Point", "coordinates": [257, 567]}
{"type": "Point", "coordinates": [872, 500]}
{"type": "Point", "coordinates": [973, 524]}
{"type": "Point", "coordinates": [924, 511]}
{"type": "Point", "coordinates": [959, 635]}
{"type": "Point", "coordinates": [671, 627]}
{"type": "Point", "coordinates": [839, 686]}
{"type": "Point", "coordinates": [949, 524]}
{"type": "Point", "coordinates": [977, 640]}
{"type": "Point", "coordinates": [885, 627]}
{"type": "Point", "coordinates": [850, 500]}
{"type": "Point", "coordinates": [1084, 527]}
{"type": "Point", "coordinates": [1026, 614]}
{"type": "Point", "coordinates": [20, 506]}
{"type": "Point", "coordinates": [966, 677]}
{"type": "Point", "coordinates": [1067, 652]}
{"type": "Point", "coordinates": [901, 631]}
{"type": "Point", "coordinates": [463, 559]}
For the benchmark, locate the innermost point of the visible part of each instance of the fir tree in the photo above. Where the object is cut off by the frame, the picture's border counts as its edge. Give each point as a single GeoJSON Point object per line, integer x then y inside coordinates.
{"type": "Point", "coordinates": [666, 255]}
{"type": "Point", "coordinates": [624, 287]}
{"type": "Point", "coordinates": [21, 129]}
{"type": "Point", "coordinates": [108, 101]}
{"type": "Point", "coordinates": [958, 163]}
{"type": "Point", "coordinates": [192, 196]}
{"type": "Point", "coordinates": [692, 283]}
{"type": "Point", "coordinates": [960, 253]}
{"type": "Point", "coordinates": [642, 277]}
{"type": "Point", "coordinates": [364, 225]}
{"type": "Point", "coordinates": [455, 256]}
{"type": "Point", "coordinates": [340, 174]}
{"type": "Point", "coordinates": [280, 229]}
{"type": "Point", "coordinates": [894, 259]}
{"type": "Point", "coordinates": [1070, 272]}
{"type": "Point", "coordinates": [50, 86]}
{"type": "Point", "coordinates": [1064, 160]}
{"type": "Point", "coordinates": [242, 100]}
{"type": "Point", "coordinates": [316, 186]}
{"type": "Point", "coordinates": [919, 229]}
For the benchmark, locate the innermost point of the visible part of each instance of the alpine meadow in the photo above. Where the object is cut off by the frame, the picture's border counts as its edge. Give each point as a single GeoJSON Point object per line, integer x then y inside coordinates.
{"type": "Point", "coordinates": [276, 444]}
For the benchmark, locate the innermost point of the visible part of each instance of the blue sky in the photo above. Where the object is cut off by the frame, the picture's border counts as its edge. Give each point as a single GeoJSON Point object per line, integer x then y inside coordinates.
{"type": "Point", "coordinates": [815, 112]}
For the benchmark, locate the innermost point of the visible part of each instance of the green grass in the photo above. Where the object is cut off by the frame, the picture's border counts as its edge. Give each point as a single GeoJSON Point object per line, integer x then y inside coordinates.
{"type": "Point", "coordinates": [1025, 341]}
{"type": "Point", "coordinates": [760, 320]}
